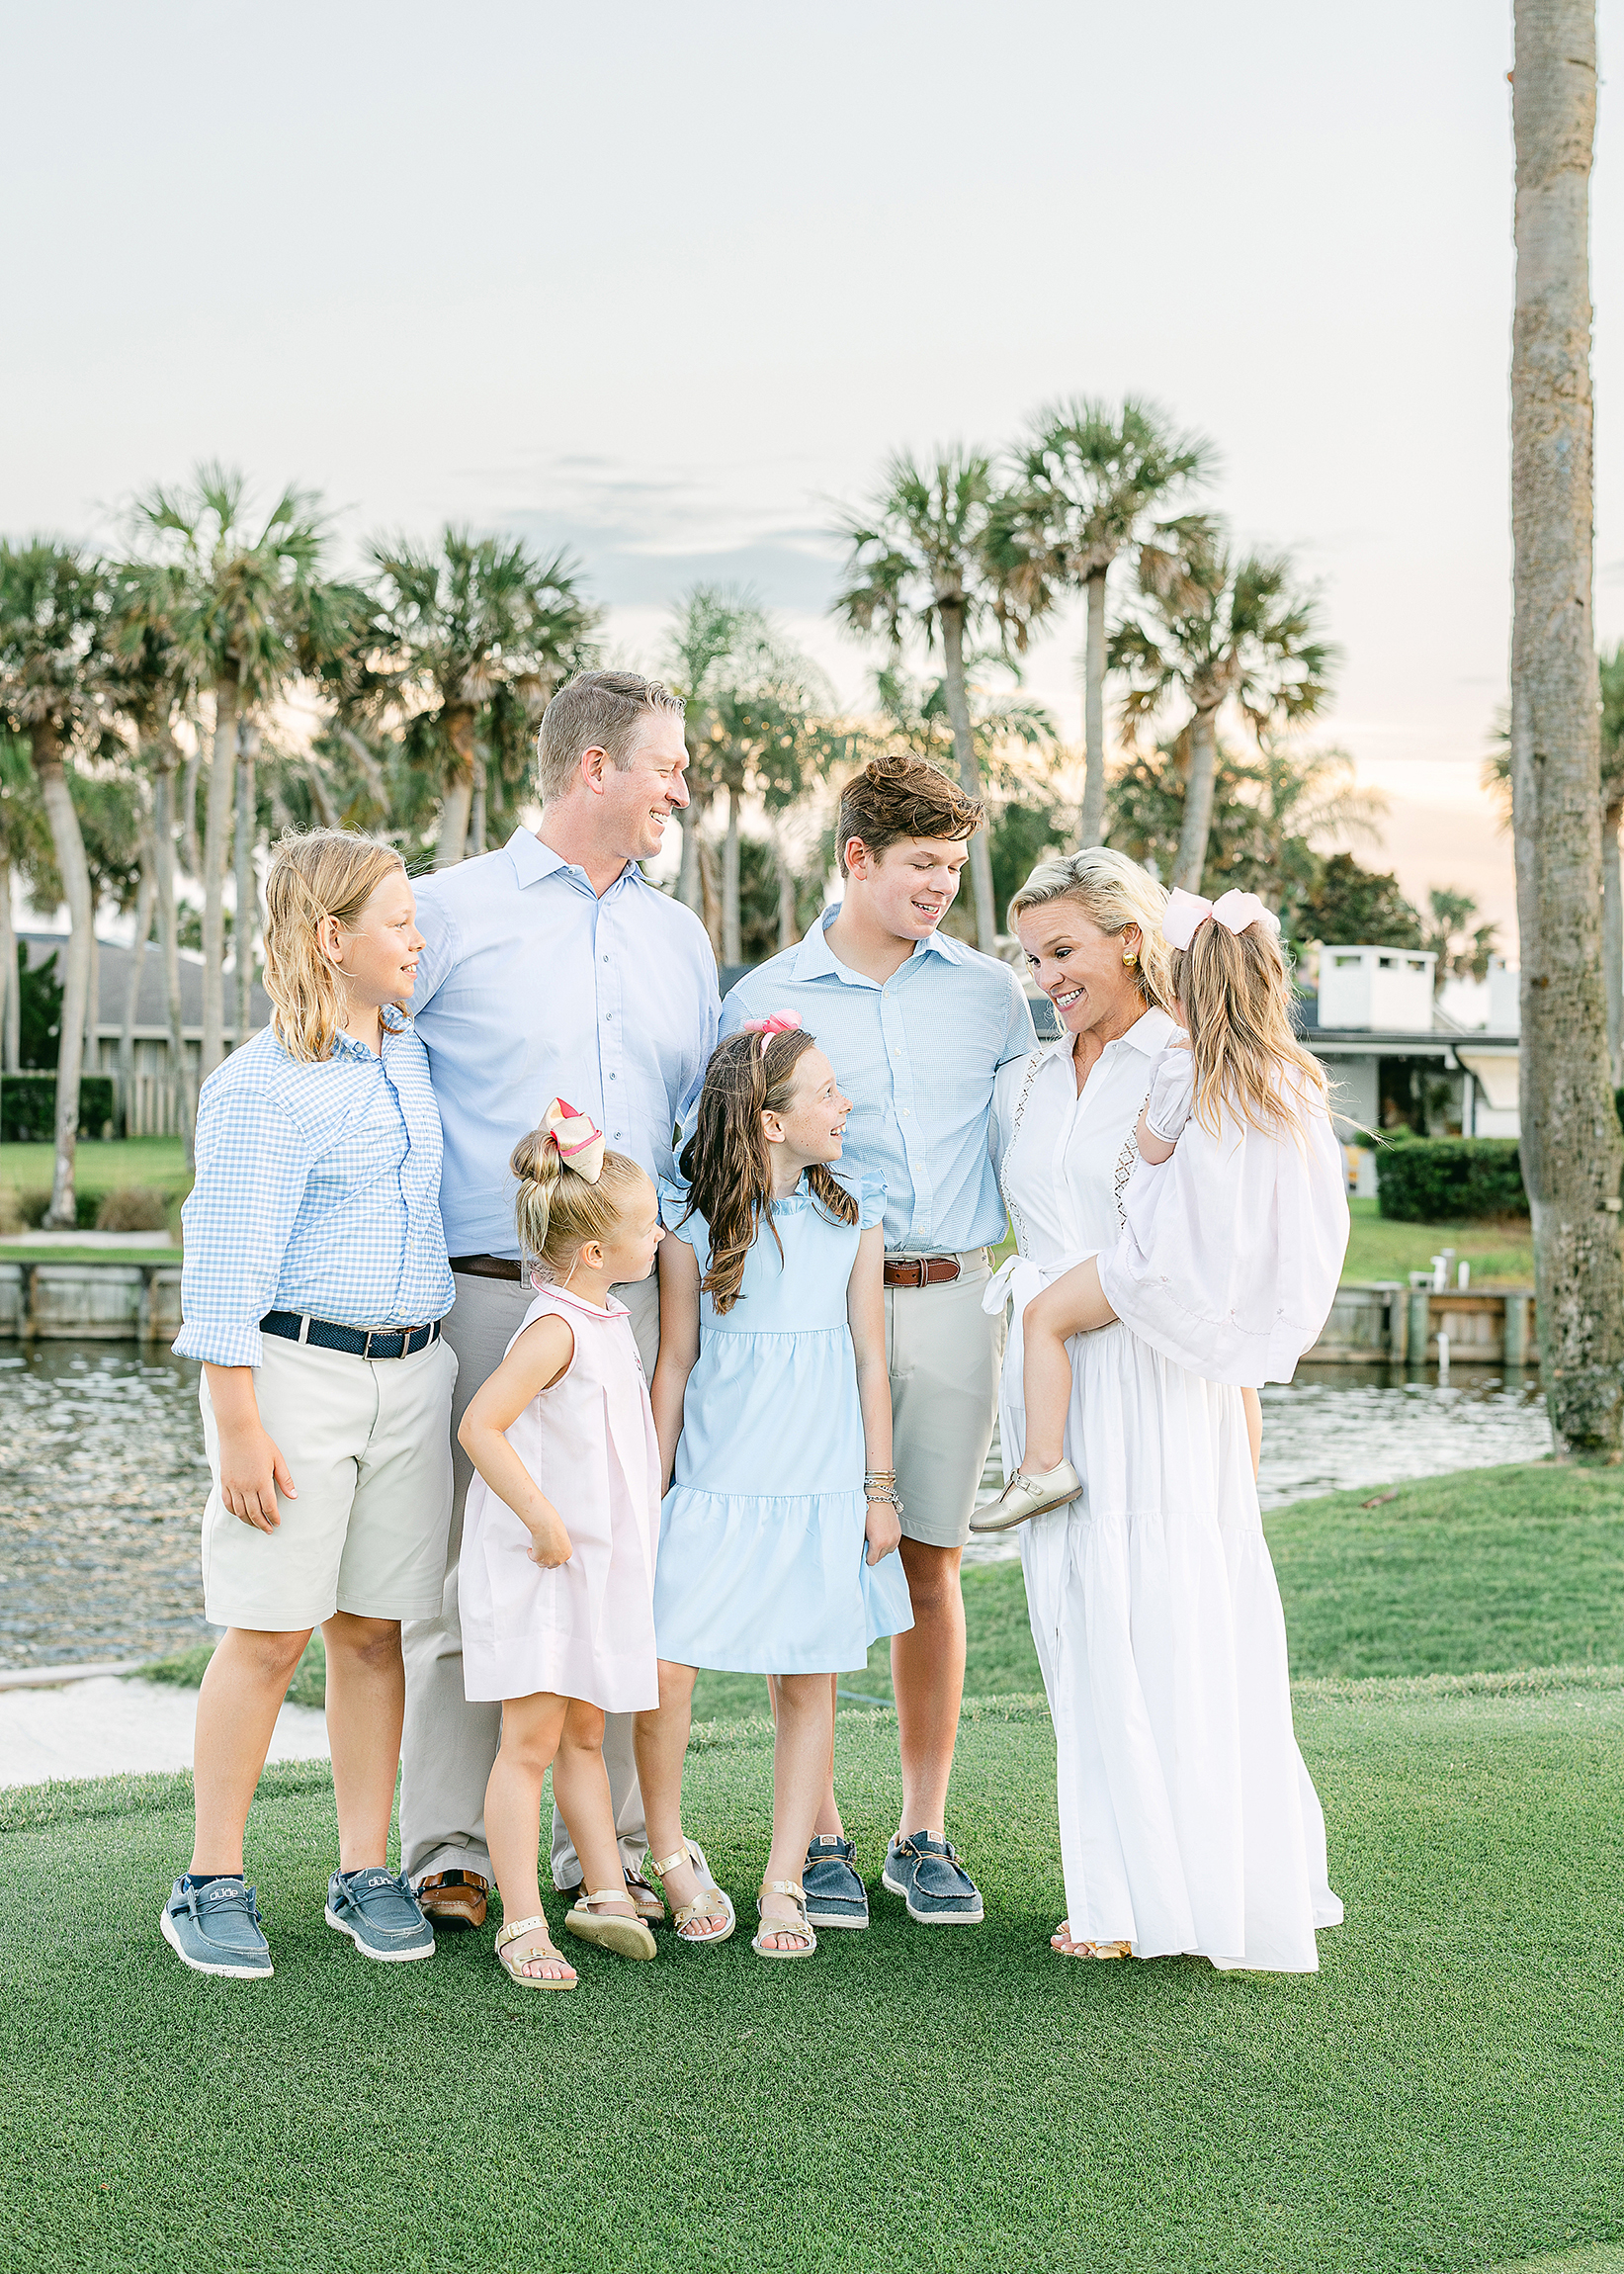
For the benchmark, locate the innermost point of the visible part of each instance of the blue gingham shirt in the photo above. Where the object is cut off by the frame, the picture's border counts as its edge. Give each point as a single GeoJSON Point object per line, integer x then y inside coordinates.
{"type": "Point", "coordinates": [534, 987]}
{"type": "Point", "coordinates": [317, 1191]}
{"type": "Point", "coordinates": [917, 1058]}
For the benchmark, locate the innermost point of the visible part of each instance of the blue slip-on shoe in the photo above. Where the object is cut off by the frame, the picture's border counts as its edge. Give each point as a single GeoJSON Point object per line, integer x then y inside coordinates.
{"type": "Point", "coordinates": [927, 1874]}
{"type": "Point", "coordinates": [215, 1930]}
{"type": "Point", "coordinates": [835, 1895]}
{"type": "Point", "coordinates": [381, 1914]}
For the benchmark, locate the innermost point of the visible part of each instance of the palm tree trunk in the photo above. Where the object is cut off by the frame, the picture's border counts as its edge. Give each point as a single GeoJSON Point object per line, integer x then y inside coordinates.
{"type": "Point", "coordinates": [1191, 859]}
{"type": "Point", "coordinates": [1612, 941]}
{"type": "Point", "coordinates": [74, 871]}
{"type": "Point", "coordinates": [789, 931]}
{"type": "Point", "coordinates": [1092, 830]}
{"type": "Point", "coordinates": [710, 911]}
{"type": "Point", "coordinates": [92, 992]}
{"type": "Point", "coordinates": [163, 871]}
{"type": "Point", "coordinates": [246, 914]}
{"type": "Point", "coordinates": [137, 965]}
{"type": "Point", "coordinates": [11, 984]}
{"type": "Point", "coordinates": [733, 947]}
{"type": "Point", "coordinates": [477, 810]}
{"type": "Point", "coordinates": [217, 832]}
{"type": "Point", "coordinates": [970, 773]}
{"type": "Point", "coordinates": [458, 796]}
{"type": "Point", "coordinates": [690, 888]}
{"type": "Point", "coordinates": [1572, 1154]}
{"type": "Point", "coordinates": [191, 858]}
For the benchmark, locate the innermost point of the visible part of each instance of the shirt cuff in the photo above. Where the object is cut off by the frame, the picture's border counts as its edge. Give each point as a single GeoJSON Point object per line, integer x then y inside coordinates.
{"type": "Point", "coordinates": [219, 1345]}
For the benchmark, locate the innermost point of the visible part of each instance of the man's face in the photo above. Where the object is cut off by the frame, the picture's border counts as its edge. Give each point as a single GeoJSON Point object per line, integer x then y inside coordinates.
{"type": "Point", "coordinates": [641, 796]}
{"type": "Point", "coordinates": [910, 886]}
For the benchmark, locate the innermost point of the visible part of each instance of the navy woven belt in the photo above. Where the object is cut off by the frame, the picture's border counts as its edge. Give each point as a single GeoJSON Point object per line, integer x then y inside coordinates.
{"type": "Point", "coordinates": [355, 1341]}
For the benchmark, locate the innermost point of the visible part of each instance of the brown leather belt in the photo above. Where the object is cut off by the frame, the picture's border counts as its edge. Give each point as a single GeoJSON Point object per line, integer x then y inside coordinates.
{"type": "Point", "coordinates": [921, 1270]}
{"type": "Point", "coordinates": [487, 1267]}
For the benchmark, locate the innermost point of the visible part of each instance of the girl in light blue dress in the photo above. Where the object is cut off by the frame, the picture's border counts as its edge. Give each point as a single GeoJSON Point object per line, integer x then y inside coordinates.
{"type": "Point", "coordinates": [771, 1397]}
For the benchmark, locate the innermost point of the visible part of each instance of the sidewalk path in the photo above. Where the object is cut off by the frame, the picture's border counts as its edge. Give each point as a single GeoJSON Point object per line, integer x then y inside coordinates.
{"type": "Point", "coordinates": [108, 1727]}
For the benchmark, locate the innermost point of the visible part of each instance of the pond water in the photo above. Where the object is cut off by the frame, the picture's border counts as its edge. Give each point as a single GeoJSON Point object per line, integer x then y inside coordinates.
{"type": "Point", "coordinates": [103, 1479]}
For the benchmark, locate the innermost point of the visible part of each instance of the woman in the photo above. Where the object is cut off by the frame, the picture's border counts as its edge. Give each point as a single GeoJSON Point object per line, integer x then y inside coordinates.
{"type": "Point", "coordinates": [314, 1284]}
{"type": "Point", "coordinates": [1187, 1819]}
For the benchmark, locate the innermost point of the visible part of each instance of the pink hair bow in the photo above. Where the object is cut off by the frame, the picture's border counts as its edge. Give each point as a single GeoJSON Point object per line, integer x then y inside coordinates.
{"type": "Point", "coordinates": [580, 1140]}
{"type": "Point", "coordinates": [1188, 912]}
{"type": "Point", "coordinates": [780, 1022]}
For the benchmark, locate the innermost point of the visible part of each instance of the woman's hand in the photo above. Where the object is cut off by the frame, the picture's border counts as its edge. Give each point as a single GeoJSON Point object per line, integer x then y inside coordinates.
{"type": "Point", "coordinates": [550, 1543]}
{"type": "Point", "coordinates": [882, 1530]}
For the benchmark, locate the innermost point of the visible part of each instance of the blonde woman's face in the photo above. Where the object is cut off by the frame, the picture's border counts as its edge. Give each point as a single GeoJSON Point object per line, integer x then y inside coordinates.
{"type": "Point", "coordinates": [1080, 968]}
{"type": "Point", "coordinates": [377, 954]}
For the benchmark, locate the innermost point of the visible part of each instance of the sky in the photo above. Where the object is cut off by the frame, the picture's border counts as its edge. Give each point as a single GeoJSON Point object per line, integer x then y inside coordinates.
{"type": "Point", "coordinates": [665, 286]}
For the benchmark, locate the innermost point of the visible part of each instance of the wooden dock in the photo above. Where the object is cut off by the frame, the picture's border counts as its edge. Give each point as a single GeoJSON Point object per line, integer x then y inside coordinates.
{"type": "Point", "coordinates": [1384, 1322]}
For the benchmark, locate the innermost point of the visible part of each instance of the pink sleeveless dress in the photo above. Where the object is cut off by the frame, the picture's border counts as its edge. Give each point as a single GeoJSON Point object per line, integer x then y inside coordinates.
{"type": "Point", "coordinates": [585, 1629]}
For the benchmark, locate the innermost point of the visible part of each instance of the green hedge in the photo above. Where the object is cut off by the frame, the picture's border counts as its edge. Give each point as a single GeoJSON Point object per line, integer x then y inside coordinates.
{"type": "Point", "coordinates": [1450, 1179]}
{"type": "Point", "coordinates": [28, 1107]}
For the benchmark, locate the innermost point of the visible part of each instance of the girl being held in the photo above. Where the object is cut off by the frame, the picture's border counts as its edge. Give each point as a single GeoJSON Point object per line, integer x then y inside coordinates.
{"type": "Point", "coordinates": [1235, 1219]}
{"type": "Point", "coordinates": [777, 1536]}
{"type": "Point", "coordinates": [558, 1558]}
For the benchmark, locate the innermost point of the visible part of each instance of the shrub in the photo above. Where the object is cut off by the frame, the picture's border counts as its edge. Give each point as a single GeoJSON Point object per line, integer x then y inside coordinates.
{"type": "Point", "coordinates": [1450, 1179]}
{"type": "Point", "coordinates": [28, 1107]}
{"type": "Point", "coordinates": [133, 1208]}
{"type": "Point", "coordinates": [11, 1210]}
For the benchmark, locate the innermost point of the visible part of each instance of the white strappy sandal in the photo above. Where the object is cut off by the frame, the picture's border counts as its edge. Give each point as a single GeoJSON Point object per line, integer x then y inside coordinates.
{"type": "Point", "coordinates": [800, 1926]}
{"type": "Point", "coordinates": [711, 1897]}
{"type": "Point", "coordinates": [510, 1967]}
{"type": "Point", "coordinates": [613, 1930]}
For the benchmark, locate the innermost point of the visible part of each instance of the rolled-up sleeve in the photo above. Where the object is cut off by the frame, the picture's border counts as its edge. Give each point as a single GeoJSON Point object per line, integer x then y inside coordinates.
{"type": "Point", "coordinates": [253, 1163]}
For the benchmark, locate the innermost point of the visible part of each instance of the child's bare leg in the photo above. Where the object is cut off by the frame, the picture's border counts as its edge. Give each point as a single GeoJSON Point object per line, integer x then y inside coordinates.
{"type": "Point", "coordinates": [828, 1815]}
{"type": "Point", "coordinates": [531, 1729]}
{"type": "Point", "coordinates": [243, 1687]}
{"type": "Point", "coordinates": [1255, 1426]}
{"type": "Point", "coordinates": [802, 1764]}
{"type": "Point", "coordinates": [1073, 1305]}
{"type": "Point", "coordinates": [580, 1786]}
{"type": "Point", "coordinates": [660, 1742]}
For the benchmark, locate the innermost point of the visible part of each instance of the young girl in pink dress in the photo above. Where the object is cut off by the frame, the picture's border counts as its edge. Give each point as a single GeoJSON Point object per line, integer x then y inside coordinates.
{"type": "Point", "coordinates": [556, 1570]}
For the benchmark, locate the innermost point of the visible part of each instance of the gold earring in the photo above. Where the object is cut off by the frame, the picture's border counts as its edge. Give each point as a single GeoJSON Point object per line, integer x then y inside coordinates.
{"type": "Point", "coordinates": [1130, 957]}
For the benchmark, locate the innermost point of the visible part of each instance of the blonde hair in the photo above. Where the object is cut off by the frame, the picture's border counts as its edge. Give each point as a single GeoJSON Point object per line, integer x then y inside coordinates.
{"type": "Point", "coordinates": [1112, 892]}
{"type": "Point", "coordinates": [596, 711]}
{"type": "Point", "coordinates": [1234, 989]}
{"type": "Point", "coordinates": [321, 873]}
{"type": "Point", "coordinates": [558, 1209]}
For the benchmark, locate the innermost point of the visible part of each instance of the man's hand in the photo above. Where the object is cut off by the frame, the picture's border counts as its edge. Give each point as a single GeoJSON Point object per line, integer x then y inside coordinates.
{"type": "Point", "coordinates": [882, 1530]}
{"type": "Point", "coordinates": [250, 1471]}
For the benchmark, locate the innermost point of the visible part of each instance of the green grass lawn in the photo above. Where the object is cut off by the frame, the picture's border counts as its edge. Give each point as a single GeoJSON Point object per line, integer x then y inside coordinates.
{"type": "Point", "coordinates": [1380, 1248]}
{"type": "Point", "coordinates": [102, 1166]}
{"type": "Point", "coordinates": [1447, 2093]}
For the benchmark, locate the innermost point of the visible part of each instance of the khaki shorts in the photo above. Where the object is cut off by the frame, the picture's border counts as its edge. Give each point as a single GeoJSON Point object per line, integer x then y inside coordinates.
{"type": "Point", "coordinates": [944, 1353]}
{"type": "Point", "coordinates": [367, 1444]}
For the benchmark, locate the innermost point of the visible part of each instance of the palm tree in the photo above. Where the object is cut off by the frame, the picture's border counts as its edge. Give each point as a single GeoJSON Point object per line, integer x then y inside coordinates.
{"type": "Point", "coordinates": [476, 635]}
{"type": "Point", "coordinates": [922, 558]}
{"type": "Point", "coordinates": [52, 612]}
{"type": "Point", "coordinates": [25, 851]}
{"type": "Point", "coordinates": [149, 683]}
{"type": "Point", "coordinates": [239, 622]}
{"type": "Point", "coordinates": [718, 637]}
{"type": "Point", "coordinates": [1214, 630]}
{"type": "Point", "coordinates": [1572, 1154]}
{"type": "Point", "coordinates": [766, 741]}
{"type": "Point", "coordinates": [1089, 481]}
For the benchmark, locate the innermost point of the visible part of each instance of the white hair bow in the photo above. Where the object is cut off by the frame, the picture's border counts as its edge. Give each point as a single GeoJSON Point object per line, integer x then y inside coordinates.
{"type": "Point", "coordinates": [1188, 912]}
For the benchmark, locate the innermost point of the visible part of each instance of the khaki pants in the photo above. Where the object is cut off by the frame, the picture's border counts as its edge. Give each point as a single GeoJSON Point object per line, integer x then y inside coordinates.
{"type": "Point", "coordinates": [448, 1745]}
{"type": "Point", "coordinates": [943, 1355]}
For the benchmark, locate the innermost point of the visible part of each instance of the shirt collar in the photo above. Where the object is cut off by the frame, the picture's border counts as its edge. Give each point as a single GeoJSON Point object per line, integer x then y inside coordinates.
{"type": "Point", "coordinates": [1150, 1036]}
{"type": "Point", "coordinates": [534, 861]}
{"type": "Point", "coordinates": [816, 959]}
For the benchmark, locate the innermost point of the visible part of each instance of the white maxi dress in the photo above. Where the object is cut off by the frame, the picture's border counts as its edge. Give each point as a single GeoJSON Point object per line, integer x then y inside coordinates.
{"type": "Point", "coordinates": [1188, 1822]}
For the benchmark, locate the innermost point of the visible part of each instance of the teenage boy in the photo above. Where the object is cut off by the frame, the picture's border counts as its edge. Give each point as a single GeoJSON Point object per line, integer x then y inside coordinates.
{"type": "Point", "coordinates": [916, 1026]}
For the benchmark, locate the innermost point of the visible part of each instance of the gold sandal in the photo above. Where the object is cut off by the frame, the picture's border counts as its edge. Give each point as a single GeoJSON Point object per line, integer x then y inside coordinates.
{"type": "Point", "coordinates": [510, 1967]}
{"type": "Point", "coordinates": [711, 1897]}
{"type": "Point", "coordinates": [800, 1927]}
{"type": "Point", "coordinates": [627, 1938]}
{"type": "Point", "coordinates": [1079, 1950]}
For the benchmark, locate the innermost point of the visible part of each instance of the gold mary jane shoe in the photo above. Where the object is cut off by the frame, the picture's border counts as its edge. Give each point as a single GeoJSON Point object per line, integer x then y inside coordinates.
{"type": "Point", "coordinates": [1024, 1497]}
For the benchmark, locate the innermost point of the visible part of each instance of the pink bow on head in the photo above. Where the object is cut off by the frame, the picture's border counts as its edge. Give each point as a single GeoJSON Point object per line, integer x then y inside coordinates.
{"type": "Point", "coordinates": [580, 1140]}
{"type": "Point", "coordinates": [780, 1022]}
{"type": "Point", "coordinates": [1188, 912]}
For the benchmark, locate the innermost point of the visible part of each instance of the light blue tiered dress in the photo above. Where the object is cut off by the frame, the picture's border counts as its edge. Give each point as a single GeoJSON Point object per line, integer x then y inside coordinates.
{"type": "Point", "coordinates": [761, 1564]}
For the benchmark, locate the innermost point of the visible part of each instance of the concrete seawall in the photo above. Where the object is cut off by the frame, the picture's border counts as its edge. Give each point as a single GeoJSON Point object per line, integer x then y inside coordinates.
{"type": "Point", "coordinates": [90, 1302]}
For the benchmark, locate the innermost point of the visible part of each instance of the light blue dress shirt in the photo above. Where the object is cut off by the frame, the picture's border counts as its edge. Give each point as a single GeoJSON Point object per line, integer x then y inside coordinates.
{"type": "Point", "coordinates": [532, 987]}
{"type": "Point", "coordinates": [917, 1058]}
{"type": "Point", "coordinates": [317, 1191]}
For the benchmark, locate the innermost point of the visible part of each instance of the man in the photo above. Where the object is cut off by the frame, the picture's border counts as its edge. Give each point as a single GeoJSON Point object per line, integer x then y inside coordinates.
{"type": "Point", "coordinates": [916, 1026]}
{"type": "Point", "coordinates": [553, 969]}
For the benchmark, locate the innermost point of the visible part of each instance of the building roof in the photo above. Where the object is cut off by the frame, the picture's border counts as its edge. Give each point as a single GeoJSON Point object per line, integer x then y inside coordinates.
{"type": "Point", "coordinates": [112, 964]}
